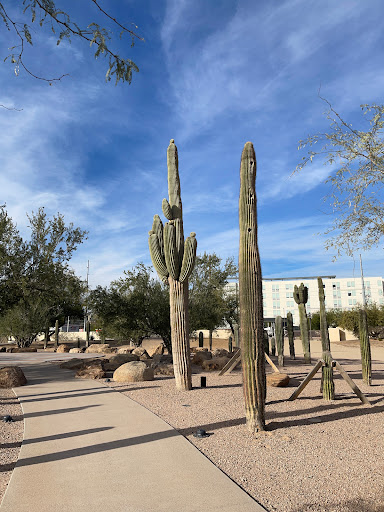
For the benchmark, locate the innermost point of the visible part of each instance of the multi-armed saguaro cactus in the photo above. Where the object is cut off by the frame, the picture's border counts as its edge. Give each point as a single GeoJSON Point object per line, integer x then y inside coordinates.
{"type": "Point", "coordinates": [300, 294]}
{"type": "Point", "coordinates": [365, 348]}
{"type": "Point", "coordinates": [173, 260]}
{"type": "Point", "coordinates": [279, 340]}
{"type": "Point", "coordinates": [251, 297]}
{"type": "Point", "coordinates": [327, 384]}
{"type": "Point", "coordinates": [290, 335]}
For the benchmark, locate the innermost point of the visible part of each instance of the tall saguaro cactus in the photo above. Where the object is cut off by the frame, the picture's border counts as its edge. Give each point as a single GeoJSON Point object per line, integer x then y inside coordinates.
{"type": "Point", "coordinates": [279, 340]}
{"type": "Point", "coordinates": [300, 294]}
{"type": "Point", "coordinates": [365, 348]}
{"type": "Point", "coordinates": [251, 298]}
{"type": "Point", "coordinates": [327, 384]}
{"type": "Point", "coordinates": [290, 335]}
{"type": "Point", "coordinates": [173, 260]}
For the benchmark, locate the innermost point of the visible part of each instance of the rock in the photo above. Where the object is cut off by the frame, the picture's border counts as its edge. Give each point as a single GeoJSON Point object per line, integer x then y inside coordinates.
{"type": "Point", "coordinates": [3, 349]}
{"type": "Point", "coordinates": [136, 371]}
{"type": "Point", "coordinates": [159, 350]}
{"type": "Point", "coordinates": [144, 357]}
{"type": "Point", "coordinates": [164, 358]}
{"type": "Point", "coordinates": [139, 351]}
{"type": "Point", "coordinates": [76, 351]}
{"type": "Point", "coordinates": [96, 348]}
{"type": "Point", "coordinates": [163, 369]}
{"type": "Point", "coordinates": [72, 364]}
{"type": "Point", "coordinates": [126, 349]}
{"type": "Point", "coordinates": [216, 363]}
{"type": "Point", "coordinates": [198, 349]}
{"type": "Point", "coordinates": [50, 349]}
{"type": "Point", "coordinates": [110, 350]}
{"type": "Point", "coordinates": [220, 352]}
{"type": "Point", "coordinates": [200, 357]}
{"type": "Point", "coordinates": [63, 348]}
{"type": "Point", "coordinates": [12, 377]}
{"type": "Point", "coordinates": [21, 349]}
{"type": "Point", "coordinates": [91, 370]}
{"type": "Point", "coordinates": [117, 360]}
{"type": "Point", "coordinates": [278, 380]}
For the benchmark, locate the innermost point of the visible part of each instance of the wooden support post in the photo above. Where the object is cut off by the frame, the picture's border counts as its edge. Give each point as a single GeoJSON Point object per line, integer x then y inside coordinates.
{"type": "Point", "coordinates": [353, 386]}
{"type": "Point", "coordinates": [307, 379]}
{"type": "Point", "coordinates": [232, 363]}
{"type": "Point", "coordinates": [271, 363]}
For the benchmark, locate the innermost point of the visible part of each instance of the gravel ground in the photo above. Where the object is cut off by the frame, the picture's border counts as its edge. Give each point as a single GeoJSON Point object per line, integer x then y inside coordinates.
{"type": "Point", "coordinates": [11, 436]}
{"type": "Point", "coordinates": [315, 456]}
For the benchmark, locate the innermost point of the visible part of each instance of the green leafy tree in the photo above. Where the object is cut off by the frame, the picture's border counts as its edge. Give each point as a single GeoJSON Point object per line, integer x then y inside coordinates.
{"type": "Point", "coordinates": [356, 196]}
{"type": "Point", "coordinates": [133, 307]}
{"type": "Point", "coordinates": [45, 13]}
{"type": "Point", "coordinates": [44, 286]}
{"type": "Point", "coordinates": [210, 302]}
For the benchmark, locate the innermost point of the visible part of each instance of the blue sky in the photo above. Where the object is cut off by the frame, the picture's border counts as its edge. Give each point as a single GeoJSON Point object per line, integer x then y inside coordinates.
{"type": "Point", "coordinates": [213, 75]}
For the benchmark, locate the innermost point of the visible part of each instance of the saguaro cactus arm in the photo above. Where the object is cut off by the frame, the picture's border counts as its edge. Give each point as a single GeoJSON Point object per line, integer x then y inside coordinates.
{"type": "Point", "coordinates": [189, 257]}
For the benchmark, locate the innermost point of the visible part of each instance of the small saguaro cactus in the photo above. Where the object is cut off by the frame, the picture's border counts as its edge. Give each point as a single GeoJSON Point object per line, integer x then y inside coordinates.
{"type": "Point", "coordinates": [251, 297]}
{"type": "Point", "coordinates": [290, 335]}
{"type": "Point", "coordinates": [327, 384]}
{"type": "Point", "coordinates": [300, 294]}
{"type": "Point", "coordinates": [87, 331]}
{"type": "Point", "coordinates": [201, 339]}
{"type": "Point", "coordinates": [273, 346]}
{"type": "Point", "coordinates": [56, 333]}
{"type": "Point", "coordinates": [266, 343]}
{"type": "Point", "coordinates": [210, 340]}
{"type": "Point", "coordinates": [230, 344]}
{"type": "Point", "coordinates": [236, 333]}
{"type": "Point", "coordinates": [365, 348]}
{"type": "Point", "coordinates": [173, 260]}
{"type": "Point", "coordinates": [279, 340]}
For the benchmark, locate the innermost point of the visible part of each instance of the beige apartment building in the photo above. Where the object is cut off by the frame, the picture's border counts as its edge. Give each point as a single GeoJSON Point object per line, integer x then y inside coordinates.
{"type": "Point", "coordinates": [342, 293]}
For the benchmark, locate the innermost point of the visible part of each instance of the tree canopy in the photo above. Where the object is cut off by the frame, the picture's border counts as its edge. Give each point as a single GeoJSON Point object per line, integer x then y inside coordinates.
{"type": "Point", "coordinates": [210, 302]}
{"type": "Point", "coordinates": [133, 307]}
{"type": "Point", "coordinates": [356, 196]}
{"type": "Point", "coordinates": [45, 13]}
{"type": "Point", "coordinates": [37, 285]}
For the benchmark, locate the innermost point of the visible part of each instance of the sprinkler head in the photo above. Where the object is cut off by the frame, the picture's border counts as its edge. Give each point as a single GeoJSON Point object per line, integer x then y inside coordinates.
{"type": "Point", "coordinates": [7, 418]}
{"type": "Point", "coordinates": [107, 380]}
{"type": "Point", "coordinates": [200, 433]}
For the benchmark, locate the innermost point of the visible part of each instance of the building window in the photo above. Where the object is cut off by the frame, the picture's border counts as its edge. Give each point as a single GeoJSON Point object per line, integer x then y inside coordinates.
{"type": "Point", "coordinates": [275, 287]}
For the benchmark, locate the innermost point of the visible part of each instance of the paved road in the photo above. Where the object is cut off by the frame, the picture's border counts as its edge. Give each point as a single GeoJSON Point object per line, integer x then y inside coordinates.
{"type": "Point", "coordinates": [89, 448]}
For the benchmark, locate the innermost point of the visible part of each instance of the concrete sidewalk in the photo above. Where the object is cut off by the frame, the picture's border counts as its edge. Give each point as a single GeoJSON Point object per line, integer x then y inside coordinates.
{"type": "Point", "coordinates": [89, 448]}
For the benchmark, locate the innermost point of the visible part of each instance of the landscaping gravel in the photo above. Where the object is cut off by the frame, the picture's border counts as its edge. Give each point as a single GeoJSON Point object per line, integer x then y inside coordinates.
{"type": "Point", "coordinates": [316, 456]}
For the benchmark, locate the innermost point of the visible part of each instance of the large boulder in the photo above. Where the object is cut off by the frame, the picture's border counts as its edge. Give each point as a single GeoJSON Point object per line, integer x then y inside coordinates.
{"type": "Point", "coordinates": [50, 349]}
{"type": "Point", "coordinates": [76, 351]}
{"type": "Point", "coordinates": [136, 371]}
{"type": "Point", "coordinates": [12, 377]}
{"type": "Point", "coordinates": [92, 369]}
{"type": "Point", "coordinates": [200, 357]}
{"type": "Point", "coordinates": [220, 352]}
{"type": "Point", "coordinates": [216, 363]}
{"type": "Point", "coordinates": [278, 380]}
{"type": "Point", "coordinates": [141, 352]}
{"type": "Point", "coordinates": [97, 348]}
{"type": "Point", "coordinates": [72, 364]}
{"type": "Point", "coordinates": [117, 360]}
{"type": "Point", "coordinates": [163, 369]}
{"type": "Point", "coordinates": [159, 350]}
{"type": "Point", "coordinates": [62, 348]}
{"type": "Point", "coordinates": [125, 349]}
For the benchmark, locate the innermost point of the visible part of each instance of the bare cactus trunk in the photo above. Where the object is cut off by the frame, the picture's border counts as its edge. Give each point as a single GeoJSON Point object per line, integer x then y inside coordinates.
{"type": "Point", "coordinates": [251, 298]}
{"type": "Point", "coordinates": [178, 293]}
{"type": "Point", "coordinates": [365, 348]}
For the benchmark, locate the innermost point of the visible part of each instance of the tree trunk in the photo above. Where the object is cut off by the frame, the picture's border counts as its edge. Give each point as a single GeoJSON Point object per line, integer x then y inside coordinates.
{"type": "Point", "coordinates": [56, 333]}
{"type": "Point", "coordinates": [365, 348]}
{"type": "Point", "coordinates": [210, 340]}
{"type": "Point", "coordinates": [178, 299]}
{"type": "Point", "coordinates": [304, 333]}
{"type": "Point", "coordinates": [46, 337]}
{"type": "Point", "coordinates": [87, 328]}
